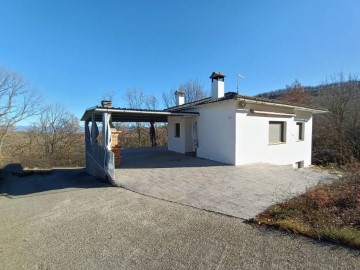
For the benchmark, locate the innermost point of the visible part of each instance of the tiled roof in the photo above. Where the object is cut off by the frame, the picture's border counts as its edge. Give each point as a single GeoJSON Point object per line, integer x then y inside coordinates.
{"type": "Point", "coordinates": [233, 95]}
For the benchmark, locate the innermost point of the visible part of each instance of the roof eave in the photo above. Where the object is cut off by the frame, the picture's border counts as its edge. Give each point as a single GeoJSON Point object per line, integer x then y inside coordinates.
{"type": "Point", "coordinates": [312, 110]}
{"type": "Point", "coordinates": [90, 111]}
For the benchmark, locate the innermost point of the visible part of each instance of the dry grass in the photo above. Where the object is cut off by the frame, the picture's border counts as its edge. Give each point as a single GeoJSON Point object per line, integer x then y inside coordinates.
{"type": "Point", "coordinates": [326, 212]}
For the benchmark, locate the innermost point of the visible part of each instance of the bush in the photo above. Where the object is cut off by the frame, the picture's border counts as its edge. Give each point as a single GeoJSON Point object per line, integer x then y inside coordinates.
{"type": "Point", "coordinates": [327, 211]}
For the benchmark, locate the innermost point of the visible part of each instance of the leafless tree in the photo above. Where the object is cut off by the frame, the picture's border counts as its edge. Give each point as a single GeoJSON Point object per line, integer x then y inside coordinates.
{"type": "Point", "coordinates": [107, 96]}
{"type": "Point", "coordinates": [56, 130]}
{"type": "Point", "coordinates": [151, 103]}
{"type": "Point", "coordinates": [295, 93]}
{"type": "Point", "coordinates": [193, 89]}
{"type": "Point", "coordinates": [339, 129]}
{"type": "Point", "coordinates": [135, 99]}
{"type": "Point", "coordinates": [17, 102]}
{"type": "Point", "coordinates": [169, 99]}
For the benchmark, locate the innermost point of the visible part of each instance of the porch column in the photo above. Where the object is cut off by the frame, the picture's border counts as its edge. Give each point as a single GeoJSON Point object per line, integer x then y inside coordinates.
{"type": "Point", "coordinates": [94, 130]}
{"type": "Point", "coordinates": [87, 144]}
{"type": "Point", "coordinates": [106, 132]}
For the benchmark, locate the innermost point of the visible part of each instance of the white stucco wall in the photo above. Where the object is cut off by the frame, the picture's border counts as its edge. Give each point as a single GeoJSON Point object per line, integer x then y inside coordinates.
{"type": "Point", "coordinates": [236, 136]}
{"type": "Point", "coordinates": [189, 146]}
{"type": "Point", "coordinates": [216, 132]}
{"type": "Point", "coordinates": [252, 139]}
{"type": "Point", "coordinates": [176, 144]}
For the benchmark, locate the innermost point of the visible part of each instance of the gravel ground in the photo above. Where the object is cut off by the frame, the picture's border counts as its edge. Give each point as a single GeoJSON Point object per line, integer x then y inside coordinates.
{"type": "Point", "coordinates": [76, 222]}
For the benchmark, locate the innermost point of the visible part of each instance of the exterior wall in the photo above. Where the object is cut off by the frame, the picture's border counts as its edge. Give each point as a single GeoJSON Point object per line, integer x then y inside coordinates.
{"type": "Point", "coordinates": [188, 135]}
{"type": "Point", "coordinates": [176, 144]}
{"type": "Point", "coordinates": [236, 136]}
{"type": "Point", "coordinates": [216, 132]}
{"type": "Point", "coordinates": [252, 141]}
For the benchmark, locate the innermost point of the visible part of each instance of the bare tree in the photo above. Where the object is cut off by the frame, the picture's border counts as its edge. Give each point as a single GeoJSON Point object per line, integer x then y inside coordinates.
{"type": "Point", "coordinates": [135, 99]}
{"type": "Point", "coordinates": [169, 99]}
{"type": "Point", "coordinates": [107, 96]}
{"type": "Point", "coordinates": [17, 102]}
{"type": "Point", "coordinates": [295, 93]}
{"type": "Point", "coordinates": [193, 89]}
{"type": "Point", "coordinates": [56, 129]}
{"type": "Point", "coordinates": [339, 129]}
{"type": "Point", "coordinates": [151, 103]}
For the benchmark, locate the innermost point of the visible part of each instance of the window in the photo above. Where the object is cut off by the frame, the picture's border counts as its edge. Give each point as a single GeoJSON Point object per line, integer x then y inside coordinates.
{"type": "Point", "coordinates": [299, 131]}
{"type": "Point", "coordinates": [177, 130]}
{"type": "Point", "coordinates": [276, 132]}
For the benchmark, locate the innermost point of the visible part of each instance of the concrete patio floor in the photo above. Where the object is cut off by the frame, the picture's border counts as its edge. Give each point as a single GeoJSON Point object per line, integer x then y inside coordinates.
{"type": "Point", "coordinates": [240, 191]}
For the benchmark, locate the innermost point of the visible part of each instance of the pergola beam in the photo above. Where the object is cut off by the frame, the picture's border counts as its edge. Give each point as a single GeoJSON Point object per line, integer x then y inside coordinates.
{"type": "Point", "coordinates": [129, 115]}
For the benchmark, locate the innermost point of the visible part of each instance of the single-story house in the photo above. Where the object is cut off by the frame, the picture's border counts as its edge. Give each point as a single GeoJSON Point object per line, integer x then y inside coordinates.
{"type": "Point", "coordinates": [226, 127]}
{"type": "Point", "coordinates": [237, 129]}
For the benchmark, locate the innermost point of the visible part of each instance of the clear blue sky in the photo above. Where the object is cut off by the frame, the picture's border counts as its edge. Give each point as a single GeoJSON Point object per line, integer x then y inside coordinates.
{"type": "Point", "coordinates": [75, 51]}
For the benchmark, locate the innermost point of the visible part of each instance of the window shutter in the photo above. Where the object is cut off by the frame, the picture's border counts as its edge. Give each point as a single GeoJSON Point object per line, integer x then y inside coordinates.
{"type": "Point", "coordinates": [275, 132]}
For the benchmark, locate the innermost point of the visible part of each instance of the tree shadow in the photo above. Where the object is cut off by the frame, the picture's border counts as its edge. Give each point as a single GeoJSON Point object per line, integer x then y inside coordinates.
{"type": "Point", "coordinates": [14, 181]}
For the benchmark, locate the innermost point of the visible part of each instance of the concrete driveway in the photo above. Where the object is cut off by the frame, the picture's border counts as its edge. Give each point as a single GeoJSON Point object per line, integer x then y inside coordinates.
{"type": "Point", "coordinates": [69, 220]}
{"type": "Point", "coordinates": [240, 191]}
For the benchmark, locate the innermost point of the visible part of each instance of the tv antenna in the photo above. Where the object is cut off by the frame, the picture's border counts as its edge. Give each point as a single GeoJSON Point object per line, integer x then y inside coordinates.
{"type": "Point", "coordinates": [237, 82]}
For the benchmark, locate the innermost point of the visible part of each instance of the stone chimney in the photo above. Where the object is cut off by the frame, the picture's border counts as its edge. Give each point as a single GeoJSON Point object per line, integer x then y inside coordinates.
{"type": "Point", "coordinates": [217, 85]}
{"type": "Point", "coordinates": [106, 103]}
{"type": "Point", "coordinates": [180, 97]}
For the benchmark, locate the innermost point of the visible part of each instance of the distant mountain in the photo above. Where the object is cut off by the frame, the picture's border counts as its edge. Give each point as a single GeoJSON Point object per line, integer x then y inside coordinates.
{"type": "Point", "coordinates": [21, 128]}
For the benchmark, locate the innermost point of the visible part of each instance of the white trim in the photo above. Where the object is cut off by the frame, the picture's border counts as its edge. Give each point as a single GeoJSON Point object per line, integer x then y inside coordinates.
{"type": "Point", "coordinates": [283, 105]}
{"type": "Point", "coordinates": [272, 113]}
{"type": "Point", "coordinates": [145, 112]}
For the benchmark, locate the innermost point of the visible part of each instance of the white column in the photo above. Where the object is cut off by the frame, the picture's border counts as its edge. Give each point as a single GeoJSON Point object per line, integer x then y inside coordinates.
{"type": "Point", "coordinates": [106, 132]}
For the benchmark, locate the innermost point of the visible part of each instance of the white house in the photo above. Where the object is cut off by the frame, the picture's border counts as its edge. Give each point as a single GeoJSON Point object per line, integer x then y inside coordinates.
{"type": "Point", "coordinates": [237, 129]}
{"type": "Point", "coordinates": [226, 127]}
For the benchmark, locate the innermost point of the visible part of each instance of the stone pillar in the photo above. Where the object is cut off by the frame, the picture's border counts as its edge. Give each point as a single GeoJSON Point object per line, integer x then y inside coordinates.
{"type": "Point", "coordinates": [115, 146]}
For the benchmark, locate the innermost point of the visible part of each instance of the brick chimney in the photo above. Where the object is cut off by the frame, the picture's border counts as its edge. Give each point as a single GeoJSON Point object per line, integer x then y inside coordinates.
{"type": "Point", "coordinates": [217, 85]}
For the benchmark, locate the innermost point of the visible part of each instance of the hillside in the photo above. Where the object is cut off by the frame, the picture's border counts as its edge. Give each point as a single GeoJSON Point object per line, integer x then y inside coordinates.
{"type": "Point", "coordinates": [314, 90]}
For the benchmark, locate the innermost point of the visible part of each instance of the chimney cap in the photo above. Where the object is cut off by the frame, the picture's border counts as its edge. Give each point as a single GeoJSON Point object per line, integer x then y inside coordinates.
{"type": "Point", "coordinates": [180, 92]}
{"type": "Point", "coordinates": [106, 103]}
{"type": "Point", "coordinates": [216, 75]}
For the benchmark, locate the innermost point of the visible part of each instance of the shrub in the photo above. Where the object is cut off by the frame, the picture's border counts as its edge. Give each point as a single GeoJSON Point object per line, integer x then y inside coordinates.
{"type": "Point", "coordinates": [327, 211]}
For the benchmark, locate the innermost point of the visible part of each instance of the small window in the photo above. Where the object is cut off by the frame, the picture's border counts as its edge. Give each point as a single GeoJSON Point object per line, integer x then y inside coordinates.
{"type": "Point", "coordinates": [276, 132]}
{"type": "Point", "coordinates": [299, 131]}
{"type": "Point", "coordinates": [177, 130]}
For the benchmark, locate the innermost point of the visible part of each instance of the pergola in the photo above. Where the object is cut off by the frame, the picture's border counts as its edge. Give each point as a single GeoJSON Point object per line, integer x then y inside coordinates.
{"type": "Point", "coordinates": [130, 115]}
{"type": "Point", "coordinates": [100, 160]}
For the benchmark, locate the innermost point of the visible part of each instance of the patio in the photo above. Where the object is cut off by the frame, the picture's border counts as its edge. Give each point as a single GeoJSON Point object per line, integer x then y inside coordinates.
{"type": "Point", "coordinates": [240, 191]}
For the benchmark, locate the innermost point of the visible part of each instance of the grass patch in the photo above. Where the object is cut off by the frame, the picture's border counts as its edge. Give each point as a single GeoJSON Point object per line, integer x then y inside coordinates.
{"type": "Point", "coordinates": [327, 212]}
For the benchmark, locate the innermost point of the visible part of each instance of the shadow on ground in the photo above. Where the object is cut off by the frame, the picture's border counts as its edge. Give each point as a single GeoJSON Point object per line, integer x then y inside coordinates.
{"type": "Point", "coordinates": [14, 181]}
{"type": "Point", "coordinates": [160, 157]}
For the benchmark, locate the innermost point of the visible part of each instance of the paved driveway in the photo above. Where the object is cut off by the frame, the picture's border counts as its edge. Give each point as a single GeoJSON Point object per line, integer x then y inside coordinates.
{"type": "Point", "coordinates": [240, 191]}
{"type": "Point", "coordinates": [68, 220]}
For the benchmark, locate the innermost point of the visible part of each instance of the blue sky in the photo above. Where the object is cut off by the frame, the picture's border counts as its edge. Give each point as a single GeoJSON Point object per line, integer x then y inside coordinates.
{"type": "Point", "coordinates": [75, 51]}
